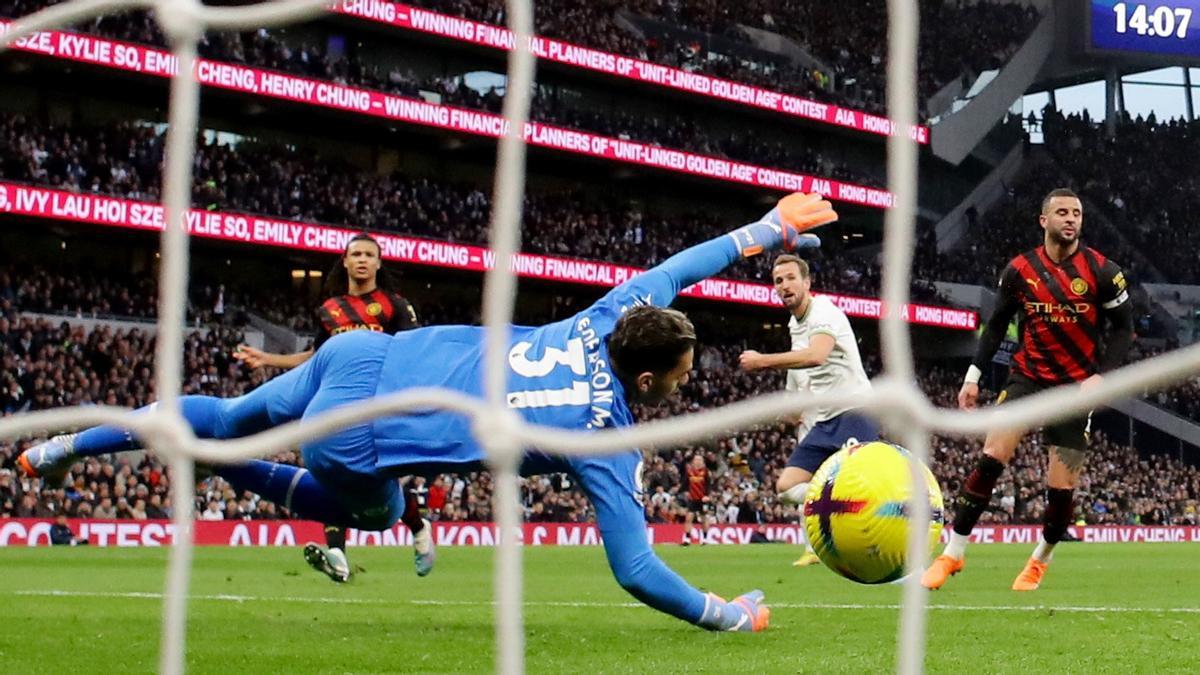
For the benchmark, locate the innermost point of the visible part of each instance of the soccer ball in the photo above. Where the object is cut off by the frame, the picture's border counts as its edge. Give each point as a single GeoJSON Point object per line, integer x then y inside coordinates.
{"type": "Point", "coordinates": [855, 511]}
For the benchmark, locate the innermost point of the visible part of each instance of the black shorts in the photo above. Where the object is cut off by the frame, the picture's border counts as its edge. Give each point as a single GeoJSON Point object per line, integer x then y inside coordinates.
{"type": "Point", "coordinates": [1070, 433]}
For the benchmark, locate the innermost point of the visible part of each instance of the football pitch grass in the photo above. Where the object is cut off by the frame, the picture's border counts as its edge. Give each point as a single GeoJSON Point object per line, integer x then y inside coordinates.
{"type": "Point", "coordinates": [1120, 608]}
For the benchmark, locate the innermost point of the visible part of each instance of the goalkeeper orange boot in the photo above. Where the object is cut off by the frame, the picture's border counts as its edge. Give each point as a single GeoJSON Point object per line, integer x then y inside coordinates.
{"type": "Point", "coordinates": [942, 569]}
{"type": "Point", "coordinates": [49, 460]}
{"type": "Point", "coordinates": [1031, 577]}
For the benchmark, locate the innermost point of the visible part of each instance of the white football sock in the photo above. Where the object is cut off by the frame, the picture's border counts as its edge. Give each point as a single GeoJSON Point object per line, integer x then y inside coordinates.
{"type": "Point", "coordinates": [1044, 551]}
{"type": "Point", "coordinates": [795, 494]}
{"type": "Point", "coordinates": [957, 548]}
{"type": "Point", "coordinates": [804, 538]}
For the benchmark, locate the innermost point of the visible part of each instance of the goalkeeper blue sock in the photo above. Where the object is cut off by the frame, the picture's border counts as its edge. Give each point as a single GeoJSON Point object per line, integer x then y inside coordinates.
{"type": "Point", "coordinates": [208, 416]}
{"type": "Point", "coordinates": [203, 413]}
{"type": "Point", "coordinates": [103, 440]}
{"type": "Point", "coordinates": [291, 487]}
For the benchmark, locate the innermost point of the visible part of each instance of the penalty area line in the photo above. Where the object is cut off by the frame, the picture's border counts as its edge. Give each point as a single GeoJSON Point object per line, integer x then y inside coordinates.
{"type": "Point", "coordinates": [223, 597]}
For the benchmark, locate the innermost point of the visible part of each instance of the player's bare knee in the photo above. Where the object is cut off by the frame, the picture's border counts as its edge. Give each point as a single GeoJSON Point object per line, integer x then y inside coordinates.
{"type": "Point", "coordinates": [789, 478]}
{"type": "Point", "coordinates": [784, 483]}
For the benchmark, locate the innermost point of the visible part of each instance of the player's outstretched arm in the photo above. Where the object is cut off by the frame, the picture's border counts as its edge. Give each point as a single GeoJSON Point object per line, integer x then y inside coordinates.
{"type": "Point", "coordinates": [255, 358]}
{"type": "Point", "coordinates": [786, 226]}
{"type": "Point", "coordinates": [622, 524]}
{"type": "Point", "coordinates": [815, 354]}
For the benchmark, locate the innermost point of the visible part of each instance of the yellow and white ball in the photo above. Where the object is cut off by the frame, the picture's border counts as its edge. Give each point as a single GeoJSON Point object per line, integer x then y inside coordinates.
{"type": "Point", "coordinates": [855, 513]}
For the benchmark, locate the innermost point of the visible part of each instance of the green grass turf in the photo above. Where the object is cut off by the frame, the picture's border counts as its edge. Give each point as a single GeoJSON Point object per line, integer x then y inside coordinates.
{"type": "Point", "coordinates": [264, 611]}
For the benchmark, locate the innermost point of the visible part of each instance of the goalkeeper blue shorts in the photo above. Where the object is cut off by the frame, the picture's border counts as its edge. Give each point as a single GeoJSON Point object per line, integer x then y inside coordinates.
{"type": "Point", "coordinates": [344, 371]}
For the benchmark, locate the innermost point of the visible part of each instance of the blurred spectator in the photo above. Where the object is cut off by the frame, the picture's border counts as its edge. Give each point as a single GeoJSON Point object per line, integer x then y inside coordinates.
{"type": "Point", "coordinates": [61, 534]}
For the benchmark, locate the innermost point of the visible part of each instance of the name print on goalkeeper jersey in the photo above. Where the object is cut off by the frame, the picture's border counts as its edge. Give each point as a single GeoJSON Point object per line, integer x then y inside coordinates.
{"type": "Point", "coordinates": [559, 375]}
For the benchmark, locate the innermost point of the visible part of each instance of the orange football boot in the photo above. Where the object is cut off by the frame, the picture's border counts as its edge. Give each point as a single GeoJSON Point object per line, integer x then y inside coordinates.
{"type": "Point", "coordinates": [1031, 577]}
{"type": "Point", "coordinates": [942, 569]}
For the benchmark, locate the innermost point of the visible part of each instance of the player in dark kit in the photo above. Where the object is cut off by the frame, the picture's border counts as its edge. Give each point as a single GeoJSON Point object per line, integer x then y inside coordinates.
{"type": "Point", "coordinates": [367, 304]}
{"type": "Point", "coordinates": [1064, 291]}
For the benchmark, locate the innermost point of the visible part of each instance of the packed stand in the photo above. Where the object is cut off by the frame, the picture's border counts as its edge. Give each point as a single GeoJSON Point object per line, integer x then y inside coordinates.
{"type": "Point", "coordinates": [729, 480]}
{"type": "Point", "coordinates": [48, 364]}
{"type": "Point", "coordinates": [83, 294]}
{"type": "Point", "coordinates": [1146, 178]}
{"type": "Point", "coordinates": [985, 36]}
{"type": "Point", "coordinates": [263, 178]}
{"type": "Point", "coordinates": [1183, 399]}
{"type": "Point", "coordinates": [1010, 227]}
{"type": "Point", "coordinates": [672, 130]}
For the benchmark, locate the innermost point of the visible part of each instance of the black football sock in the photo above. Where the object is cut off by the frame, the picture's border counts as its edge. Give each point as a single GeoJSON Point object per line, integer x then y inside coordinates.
{"type": "Point", "coordinates": [335, 536]}
{"type": "Point", "coordinates": [1060, 505]}
{"type": "Point", "coordinates": [412, 512]}
{"type": "Point", "coordinates": [975, 494]}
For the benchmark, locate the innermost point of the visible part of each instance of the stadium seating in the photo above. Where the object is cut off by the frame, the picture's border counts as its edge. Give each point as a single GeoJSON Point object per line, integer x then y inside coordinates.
{"type": "Point", "coordinates": [985, 35]}
{"type": "Point", "coordinates": [667, 128]}
{"type": "Point", "coordinates": [273, 179]}
{"type": "Point", "coordinates": [49, 365]}
{"type": "Point", "coordinates": [1145, 179]}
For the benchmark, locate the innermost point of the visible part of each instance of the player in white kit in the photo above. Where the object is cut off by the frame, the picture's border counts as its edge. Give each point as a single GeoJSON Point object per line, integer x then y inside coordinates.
{"type": "Point", "coordinates": [824, 357]}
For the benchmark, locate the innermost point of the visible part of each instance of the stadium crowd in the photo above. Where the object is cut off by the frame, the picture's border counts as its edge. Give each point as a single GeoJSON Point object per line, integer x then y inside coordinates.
{"type": "Point", "coordinates": [1138, 187]}
{"type": "Point", "coordinates": [254, 177]}
{"type": "Point", "coordinates": [668, 128]}
{"type": "Point", "coordinates": [1144, 176]}
{"type": "Point", "coordinates": [1010, 227]}
{"type": "Point", "coordinates": [1133, 226]}
{"type": "Point", "coordinates": [986, 34]}
{"type": "Point", "coordinates": [48, 365]}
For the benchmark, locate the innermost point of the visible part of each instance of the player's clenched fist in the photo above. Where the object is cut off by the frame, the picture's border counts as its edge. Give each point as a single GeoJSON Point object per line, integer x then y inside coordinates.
{"type": "Point", "coordinates": [250, 356]}
{"type": "Point", "coordinates": [752, 360]}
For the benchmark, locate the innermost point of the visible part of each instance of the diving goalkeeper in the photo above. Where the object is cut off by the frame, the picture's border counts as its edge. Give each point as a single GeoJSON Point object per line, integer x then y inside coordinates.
{"type": "Point", "coordinates": [582, 373]}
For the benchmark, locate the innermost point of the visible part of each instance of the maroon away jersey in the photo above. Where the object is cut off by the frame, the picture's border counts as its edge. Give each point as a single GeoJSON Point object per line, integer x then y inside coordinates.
{"type": "Point", "coordinates": [381, 311]}
{"type": "Point", "coordinates": [1061, 306]}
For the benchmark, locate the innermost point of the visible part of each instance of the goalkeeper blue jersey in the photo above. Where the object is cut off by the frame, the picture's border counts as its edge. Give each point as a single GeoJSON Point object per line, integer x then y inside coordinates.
{"type": "Point", "coordinates": [559, 375]}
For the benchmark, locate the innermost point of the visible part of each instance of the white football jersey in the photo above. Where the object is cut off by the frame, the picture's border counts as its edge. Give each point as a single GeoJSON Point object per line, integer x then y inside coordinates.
{"type": "Point", "coordinates": [842, 371]}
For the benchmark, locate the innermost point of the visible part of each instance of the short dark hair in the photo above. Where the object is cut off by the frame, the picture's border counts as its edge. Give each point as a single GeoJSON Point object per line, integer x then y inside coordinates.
{"type": "Point", "coordinates": [649, 339]}
{"type": "Point", "coordinates": [785, 258]}
{"type": "Point", "coordinates": [1057, 192]}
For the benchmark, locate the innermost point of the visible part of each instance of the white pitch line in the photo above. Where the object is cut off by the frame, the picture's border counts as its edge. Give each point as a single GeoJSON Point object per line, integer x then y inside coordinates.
{"type": "Point", "coordinates": [605, 605]}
